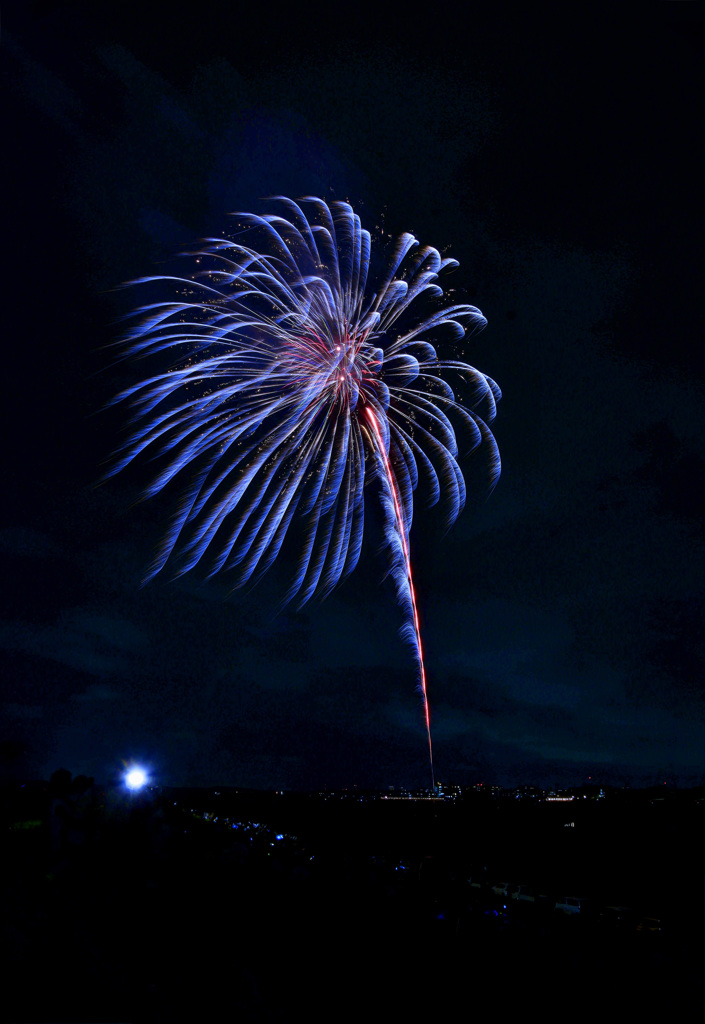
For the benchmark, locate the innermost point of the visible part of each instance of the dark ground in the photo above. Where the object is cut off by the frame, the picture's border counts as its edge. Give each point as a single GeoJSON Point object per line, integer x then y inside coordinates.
{"type": "Point", "coordinates": [155, 913]}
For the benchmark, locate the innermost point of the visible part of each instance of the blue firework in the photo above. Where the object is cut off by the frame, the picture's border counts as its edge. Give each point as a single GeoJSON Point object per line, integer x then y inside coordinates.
{"type": "Point", "coordinates": [291, 382]}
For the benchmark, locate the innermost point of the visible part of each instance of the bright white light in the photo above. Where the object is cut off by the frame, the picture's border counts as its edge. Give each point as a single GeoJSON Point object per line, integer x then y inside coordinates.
{"type": "Point", "coordinates": [135, 778]}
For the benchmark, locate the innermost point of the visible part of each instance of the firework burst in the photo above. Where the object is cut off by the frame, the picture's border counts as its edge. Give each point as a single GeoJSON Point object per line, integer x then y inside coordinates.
{"type": "Point", "coordinates": [292, 382]}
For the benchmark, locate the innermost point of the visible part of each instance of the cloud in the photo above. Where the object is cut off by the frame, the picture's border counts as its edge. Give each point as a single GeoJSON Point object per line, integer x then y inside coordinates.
{"type": "Point", "coordinates": [99, 692]}
{"type": "Point", "coordinates": [98, 644]}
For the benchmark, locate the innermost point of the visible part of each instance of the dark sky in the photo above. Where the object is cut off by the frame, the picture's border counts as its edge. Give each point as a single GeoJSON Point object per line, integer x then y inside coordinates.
{"type": "Point", "coordinates": [561, 162]}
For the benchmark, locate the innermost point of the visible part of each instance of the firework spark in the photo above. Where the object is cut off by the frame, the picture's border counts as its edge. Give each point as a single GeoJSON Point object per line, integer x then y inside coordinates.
{"type": "Point", "coordinates": [292, 383]}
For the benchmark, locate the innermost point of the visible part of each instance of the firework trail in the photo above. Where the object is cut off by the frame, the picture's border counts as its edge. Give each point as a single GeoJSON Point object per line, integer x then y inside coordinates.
{"type": "Point", "coordinates": [291, 383]}
{"type": "Point", "coordinates": [409, 581]}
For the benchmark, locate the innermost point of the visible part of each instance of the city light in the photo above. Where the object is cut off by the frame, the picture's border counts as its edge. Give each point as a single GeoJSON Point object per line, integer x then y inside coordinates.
{"type": "Point", "coordinates": [135, 778]}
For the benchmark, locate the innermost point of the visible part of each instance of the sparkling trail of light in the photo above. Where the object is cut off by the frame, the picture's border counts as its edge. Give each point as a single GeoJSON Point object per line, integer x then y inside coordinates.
{"type": "Point", "coordinates": [389, 476]}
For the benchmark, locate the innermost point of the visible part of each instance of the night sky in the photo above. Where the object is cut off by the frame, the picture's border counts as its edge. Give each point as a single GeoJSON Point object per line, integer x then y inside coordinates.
{"type": "Point", "coordinates": [561, 162]}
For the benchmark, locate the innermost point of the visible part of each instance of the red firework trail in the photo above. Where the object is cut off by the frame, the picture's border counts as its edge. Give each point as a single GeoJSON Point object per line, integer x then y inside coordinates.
{"type": "Point", "coordinates": [407, 565]}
